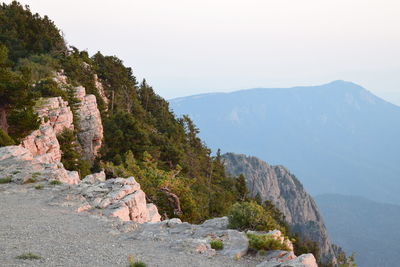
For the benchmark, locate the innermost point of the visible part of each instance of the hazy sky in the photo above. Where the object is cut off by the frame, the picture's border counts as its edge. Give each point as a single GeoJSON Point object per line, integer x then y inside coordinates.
{"type": "Point", "coordinates": [185, 47]}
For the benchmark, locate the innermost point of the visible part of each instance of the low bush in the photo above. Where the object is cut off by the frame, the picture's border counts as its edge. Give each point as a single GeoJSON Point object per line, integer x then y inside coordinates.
{"type": "Point", "coordinates": [265, 242]}
{"type": "Point", "coordinates": [54, 182]}
{"type": "Point", "coordinates": [251, 216]}
{"type": "Point", "coordinates": [5, 180]}
{"type": "Point", "coordinates": [39, 187]}
{"type": "Point", "coordinates": [28, 256]}
{"type": "Point", "coordinates": [217, 244]}
{"type": "Point", "coordinates": [5, 139]}
{"type": "Point", "coordinates": [133, 263]}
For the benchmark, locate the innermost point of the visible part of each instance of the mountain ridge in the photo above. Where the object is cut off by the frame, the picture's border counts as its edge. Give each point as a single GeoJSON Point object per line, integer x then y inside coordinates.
{"type": "Point", "coordinates": [331, 135]}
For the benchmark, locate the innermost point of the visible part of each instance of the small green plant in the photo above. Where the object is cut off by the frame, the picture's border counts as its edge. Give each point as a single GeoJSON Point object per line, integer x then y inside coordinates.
{"type": "Point", "coordinates": [265, 242]}
{"type": "Point", "coordinates": [5, 180]}
{"type": "Point", "coordinates": [133, 263]}
{"type": "Point", "coordinates": [30, 180]}
{"type": "Point", "coordinates": [16, 172]}
{"type": "Point", "coordinates": [39, 186]}
{"type": "Point", "coordinates": [55, 182]}
{"type": "Point", "coordinates": [217, 244]}
{"type": "Point", "coordinates": [35, 175]}
{"type": "Point", "coordinates": [28, 256]}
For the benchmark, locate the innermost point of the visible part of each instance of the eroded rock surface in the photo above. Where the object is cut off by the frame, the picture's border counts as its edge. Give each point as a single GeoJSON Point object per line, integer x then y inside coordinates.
{"type": "Point", "coordinates": [305, 260]}
{"type": "Point", "coordinates": [55, 115]}
{"type": "Point", "coordinates": [118, 197]}
{"type": "Point", "coordinates": [18, 164]}
{"type": "Point", "coordinates": [90, 133]}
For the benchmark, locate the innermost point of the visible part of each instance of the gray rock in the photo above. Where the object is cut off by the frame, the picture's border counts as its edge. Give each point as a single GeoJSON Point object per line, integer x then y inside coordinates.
{"type": "Point", "coordinates": [305, 260]}
{"type": "Point", "coordinates": [277, 184]}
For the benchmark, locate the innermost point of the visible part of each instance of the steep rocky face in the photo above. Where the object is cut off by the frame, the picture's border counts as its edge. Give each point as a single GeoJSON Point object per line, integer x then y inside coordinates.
{"type": "Point", "coordinates": [277, 184]}
{"type": "Point", "coordinates": [55, 115]}
{"type": "Point", "coordinates": [18, 164]}
{"type": "Point", "coordinates": [90, 133]}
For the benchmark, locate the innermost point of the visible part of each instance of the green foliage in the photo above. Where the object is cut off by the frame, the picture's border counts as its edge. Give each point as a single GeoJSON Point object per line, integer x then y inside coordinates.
{"type": "Point", "coordinates": [39, 186]}
{"type": "Point", "coordinates": [71, 158]}
{"type": "Point", "coordinates": [133, 263]}
{"type": "Point", "coordinates": [22, 122]}
{"type": "Point", "coordinates": [251, 216]}
{"type": "Point", "coordinates": [265, 242]}
{"type": "Point", "coordinates": [55, 182]}
{"type": "Point", "coordinates": [49, 88]}
{"type": "Point", "coordinates": [241, 188]}
{"type": "Point", "coordinates": [37, 67]}
{"type": "Point", "coordinates": [29, 256]}
{"type": "Point", "coordinates": [25, 33]}
{"type": "Point", "coordinates": [5, 180]}
{"type": "Point", "coordinates": [30, 180]}
{"type": "Point", "coordinates": [303, 246]}
{"type": "Point", "coordinates": [5, 139]}
{"type": "Point", "coordinates": [217, 244]}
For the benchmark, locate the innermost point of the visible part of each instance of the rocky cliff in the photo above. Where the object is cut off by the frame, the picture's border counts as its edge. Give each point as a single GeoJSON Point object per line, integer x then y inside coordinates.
{"type": "Point", "coordinates": [277, 184]}
{"type": "Point", "coordinates": [90, 133]}
{"type": "Point", "coordinates": [55, 116]}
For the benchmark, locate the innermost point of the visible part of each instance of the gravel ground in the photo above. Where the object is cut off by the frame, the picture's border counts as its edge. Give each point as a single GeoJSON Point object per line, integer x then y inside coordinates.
{"type": "Point", "coordinates": [31, 221]}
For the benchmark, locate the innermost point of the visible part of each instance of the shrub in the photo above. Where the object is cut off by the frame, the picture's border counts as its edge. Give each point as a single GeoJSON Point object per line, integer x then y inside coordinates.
{"type": "Point", "coordinates": [251, 216]}
{"type": "Point", "coordinates": [5, 139]}
{"type": "Point", "coordinates": [28, 256]}
{"type": "Point", "coordinates": [217, 244]}
{"type": "Point", "coordinates": [265, 242]}
{"type": "Point", "coordinates": [30, 180]}
{"type": "Point", "coordinates": [5, 180]}
{"type": "Point", "coordinates": [54, 182]}
{"type": "Point", "coordinates": [39, 186]}
{"type": "Point", "coordinates": [133, 263]}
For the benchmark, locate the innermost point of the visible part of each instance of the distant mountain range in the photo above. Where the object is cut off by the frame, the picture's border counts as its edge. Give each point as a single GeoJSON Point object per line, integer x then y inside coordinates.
{"type": "Point", "coordinates": [336, 138]}
{"type": "Point", "coordinates": [368, 228]}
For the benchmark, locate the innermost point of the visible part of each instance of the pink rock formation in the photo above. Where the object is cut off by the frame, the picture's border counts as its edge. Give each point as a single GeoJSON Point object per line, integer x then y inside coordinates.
{"type": "Point", "coordinates": [20, 165]}
{"type": "Point", "coordinates": [120, 198]}
{"type": "Point", "coordinates": [55, 115]}
{"type": "Point", "coordinates": [91, 129]}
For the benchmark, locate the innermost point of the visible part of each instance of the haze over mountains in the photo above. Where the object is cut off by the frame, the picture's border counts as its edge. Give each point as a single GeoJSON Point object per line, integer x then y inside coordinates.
{"type": "Point", "coordinates": [368, 228]}
{"type": "Point", "coordinates": [336, 138]}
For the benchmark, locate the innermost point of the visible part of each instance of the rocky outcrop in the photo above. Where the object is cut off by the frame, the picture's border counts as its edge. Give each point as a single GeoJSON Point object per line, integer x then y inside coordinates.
{"type": "Point", "coordinates": [100, 89]}
{"type": "Point", "coordinates": [196, 238]}
{"type": "Point", "coordinates": [118, 197]}
{"type": "Point", "coordinates": [18, 164]}
{"type": "Point", "coordinates": [55, 116]}
{"type": "Point", "coordinates": [90, 133]}
{"type": "Point", "coordinates": [277, 184]}
{"type": "Point", "coordinates": [305, 260]}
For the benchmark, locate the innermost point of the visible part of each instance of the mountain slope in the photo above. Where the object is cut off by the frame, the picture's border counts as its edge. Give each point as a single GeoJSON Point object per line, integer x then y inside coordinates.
{"type": "Point", "coordinates": [338, 137]}
{"type": "Point", "coordinates": [368, 228]}
{"type": "Point", "coordinates": [277, 184]}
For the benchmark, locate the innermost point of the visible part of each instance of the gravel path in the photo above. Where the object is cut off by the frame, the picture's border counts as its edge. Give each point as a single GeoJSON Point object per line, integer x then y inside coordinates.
{"type": "Point", "coordinates": [30, 222]}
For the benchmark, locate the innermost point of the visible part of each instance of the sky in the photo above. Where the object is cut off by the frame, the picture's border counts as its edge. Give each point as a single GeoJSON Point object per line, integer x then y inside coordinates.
{"type": "Point", "coordinates": [186, 47]}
